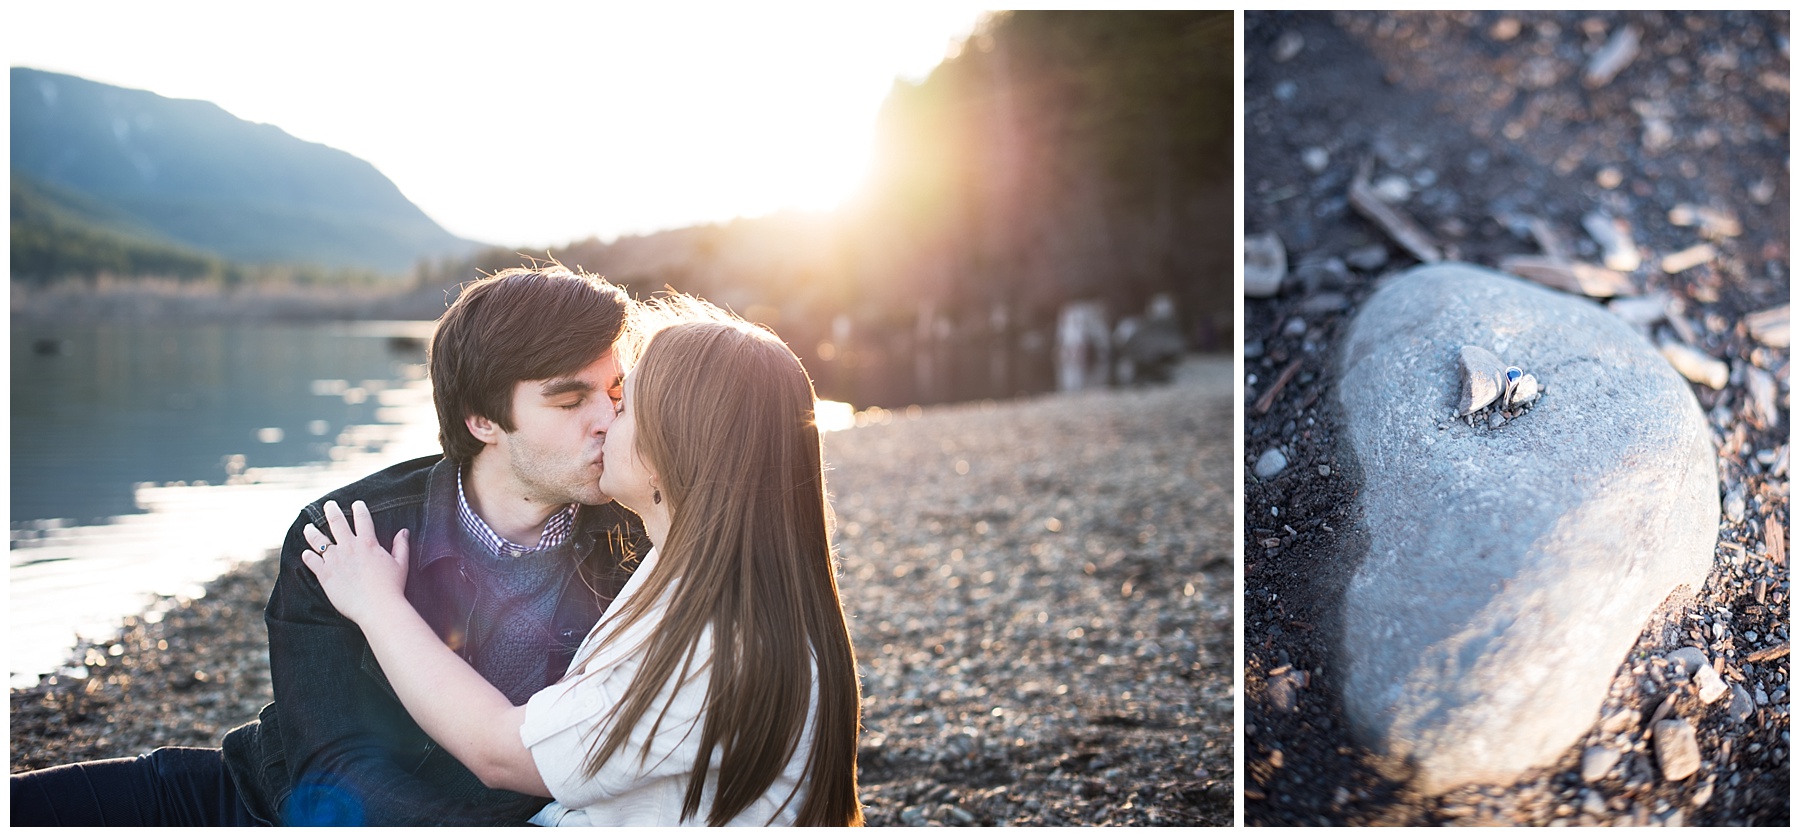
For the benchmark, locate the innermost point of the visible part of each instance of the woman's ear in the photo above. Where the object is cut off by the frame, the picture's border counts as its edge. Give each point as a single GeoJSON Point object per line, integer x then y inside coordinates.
{"type": "Point", "coordinates": [483, 429]}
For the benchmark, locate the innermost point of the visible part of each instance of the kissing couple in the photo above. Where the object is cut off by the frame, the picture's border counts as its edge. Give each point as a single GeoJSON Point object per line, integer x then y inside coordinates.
{"type": "Point", "coordinates": [611, 600]}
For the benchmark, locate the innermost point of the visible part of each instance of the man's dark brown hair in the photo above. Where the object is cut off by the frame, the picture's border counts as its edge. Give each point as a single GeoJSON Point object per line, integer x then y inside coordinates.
{"type": "Point", "coordinates": [521, 324]}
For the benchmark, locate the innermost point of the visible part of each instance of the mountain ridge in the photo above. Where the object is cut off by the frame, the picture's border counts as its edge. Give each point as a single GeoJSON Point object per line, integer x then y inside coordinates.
{"type": "Point", "coordinates": [193, 175]}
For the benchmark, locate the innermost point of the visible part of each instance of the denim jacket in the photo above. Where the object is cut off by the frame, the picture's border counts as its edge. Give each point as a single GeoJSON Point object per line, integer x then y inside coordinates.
{"type": "Point", "coordinates": [336, 746]}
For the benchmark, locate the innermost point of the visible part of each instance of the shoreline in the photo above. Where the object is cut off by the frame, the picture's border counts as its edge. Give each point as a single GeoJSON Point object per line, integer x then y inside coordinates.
{"type": "Point", "coordinates": [200, 669]}
{"type": "Point", "coordinates": [1015, 671]}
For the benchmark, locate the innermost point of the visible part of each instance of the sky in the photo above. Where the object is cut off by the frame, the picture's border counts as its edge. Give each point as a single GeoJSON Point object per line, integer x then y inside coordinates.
{"type": "Point", "coordinates": [534, 123]}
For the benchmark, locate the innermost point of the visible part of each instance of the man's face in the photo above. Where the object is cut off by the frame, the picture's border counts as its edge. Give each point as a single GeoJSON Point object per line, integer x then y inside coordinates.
{"type": "Point", "coordinates": [560, 424]}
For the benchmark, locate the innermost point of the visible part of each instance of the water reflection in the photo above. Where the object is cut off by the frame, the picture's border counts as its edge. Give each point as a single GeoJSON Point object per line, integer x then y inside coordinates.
{"type": "Point", "coordinates": [147, 460]}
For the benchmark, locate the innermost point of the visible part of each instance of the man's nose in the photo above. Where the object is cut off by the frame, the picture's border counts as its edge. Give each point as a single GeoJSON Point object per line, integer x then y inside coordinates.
{"type": "Point", "coordinates": [607, 411]}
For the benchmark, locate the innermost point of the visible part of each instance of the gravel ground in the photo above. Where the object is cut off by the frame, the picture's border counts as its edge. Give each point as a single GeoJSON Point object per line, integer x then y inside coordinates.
{"type": "Point", "coordinates": [1482, 129]}
{"type": "Point", "coordinates": [1041, 595]}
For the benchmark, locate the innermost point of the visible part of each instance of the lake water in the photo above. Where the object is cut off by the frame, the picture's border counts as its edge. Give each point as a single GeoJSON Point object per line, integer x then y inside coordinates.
{"type": "Point", "coordinates": [148, 460]}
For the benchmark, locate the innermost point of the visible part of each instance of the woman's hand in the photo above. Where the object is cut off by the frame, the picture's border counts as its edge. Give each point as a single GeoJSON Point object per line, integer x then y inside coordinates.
{"type": "Point", "coordinates": [449, 699]}
{"type": "Point", "coordinates": [361, 579]}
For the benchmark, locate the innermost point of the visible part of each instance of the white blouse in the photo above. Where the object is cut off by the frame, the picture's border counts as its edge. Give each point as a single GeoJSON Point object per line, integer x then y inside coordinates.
{"type": "Point", "coordinates": [562, 723]}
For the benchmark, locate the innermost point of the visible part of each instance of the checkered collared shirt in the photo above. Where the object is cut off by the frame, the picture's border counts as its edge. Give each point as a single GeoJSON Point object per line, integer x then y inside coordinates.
{"type": "Point", "coordinates": [556, 529]}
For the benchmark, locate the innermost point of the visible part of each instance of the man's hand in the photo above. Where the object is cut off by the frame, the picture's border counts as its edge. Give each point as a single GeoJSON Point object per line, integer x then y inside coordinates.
{"type": "Point", "coordinates": [362, 579]}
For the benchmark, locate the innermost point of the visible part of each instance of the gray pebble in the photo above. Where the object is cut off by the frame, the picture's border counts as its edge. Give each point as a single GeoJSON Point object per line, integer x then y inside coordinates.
{"type": "Point", "coordinates": [1272, 462]}
{"type": "Point", "coordinates": [1294, 328]}
{"type": "Point", "coordinates": [1287, 46]}
{"type": "Point", "coordinates": [1265, 264]}
{"type": "Point", "coordinates": [1704, 794]}
{"type": "Point", "coordinates": [1688, 659]}
{"type": "Point", "coordinates": [1324, 274]}
{"type": "Point", "coordinates": [1711, 686]}
{"type": "Point", "coordinates": [1734, 505]}
{"type": "Point", "coordinates": [1677, 750]}
{"type": "Point", "coordinates": [1597, 762]}
{"type": "Point", "coordinates": [1593, 803]}
{"type": "Point", "coordinates": [1368, 258]}
{"type": "Point", "coordinates": [1324, 303]}
{"type": "Point", "coordinates": [1284, 690]}
{"type": "Point", "coordinates": [1392, 189]}
{"type": "Point", "coordinates": [1315, 159]}
{"type": "Point", "coordinates": [1742, 707]}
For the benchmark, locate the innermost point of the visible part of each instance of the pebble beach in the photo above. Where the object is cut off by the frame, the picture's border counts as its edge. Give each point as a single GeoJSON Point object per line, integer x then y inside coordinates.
{"type": "Point", "coordinates": [1040, 593]}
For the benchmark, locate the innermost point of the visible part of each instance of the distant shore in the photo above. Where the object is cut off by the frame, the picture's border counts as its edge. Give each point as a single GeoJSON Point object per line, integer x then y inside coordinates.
{"type": "Point", "coordinates": [167, 301]}
{"type": "Point", "coordinates": [1040, 592]}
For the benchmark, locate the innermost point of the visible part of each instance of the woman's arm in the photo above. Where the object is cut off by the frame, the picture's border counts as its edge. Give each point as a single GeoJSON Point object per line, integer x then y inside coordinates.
{"type": "Point", "coordinates": [446, 697]}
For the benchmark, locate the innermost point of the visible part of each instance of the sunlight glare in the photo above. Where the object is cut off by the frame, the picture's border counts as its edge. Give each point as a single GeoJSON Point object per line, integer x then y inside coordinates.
{"type": "Point", "coordinates": [833, 415]}
{"type": "Point", "coordinates": [641, 118]}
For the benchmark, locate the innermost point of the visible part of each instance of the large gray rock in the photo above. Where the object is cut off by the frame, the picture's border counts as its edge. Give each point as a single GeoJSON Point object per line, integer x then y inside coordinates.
{"type": "Point", "coordinates": [1509, 568]}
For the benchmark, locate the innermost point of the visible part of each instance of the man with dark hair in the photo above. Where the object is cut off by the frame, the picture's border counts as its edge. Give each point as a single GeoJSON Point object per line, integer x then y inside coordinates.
{"type": "Point", "coordinates": [515, 555]}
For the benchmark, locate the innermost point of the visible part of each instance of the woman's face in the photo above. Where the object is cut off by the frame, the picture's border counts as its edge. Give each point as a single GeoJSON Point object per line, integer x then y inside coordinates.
{"type": "Point", "coordinates": [624, 476]}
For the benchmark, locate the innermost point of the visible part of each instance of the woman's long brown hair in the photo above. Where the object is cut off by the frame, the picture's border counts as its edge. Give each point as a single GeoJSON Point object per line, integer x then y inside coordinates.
{"type": "Point", "coordinates": [724, 417]}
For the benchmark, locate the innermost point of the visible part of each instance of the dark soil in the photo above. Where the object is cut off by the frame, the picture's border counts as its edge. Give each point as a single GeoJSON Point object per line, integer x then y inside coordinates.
{"type": "Point", "coordinates": [1487, 118]}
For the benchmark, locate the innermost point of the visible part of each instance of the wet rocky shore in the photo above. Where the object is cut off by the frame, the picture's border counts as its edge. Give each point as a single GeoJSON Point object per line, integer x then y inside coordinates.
{"type": "Point", "coordinates": [1040, 594]}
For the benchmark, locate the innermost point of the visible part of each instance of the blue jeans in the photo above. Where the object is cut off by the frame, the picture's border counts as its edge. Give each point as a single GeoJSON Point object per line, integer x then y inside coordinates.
{"type": "Point", "coordinates": [182, 786]}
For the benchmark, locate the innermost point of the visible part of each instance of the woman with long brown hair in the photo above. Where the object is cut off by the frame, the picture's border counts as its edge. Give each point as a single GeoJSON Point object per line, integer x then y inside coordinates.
{"type": "Point", "coordinates": [721, 686]}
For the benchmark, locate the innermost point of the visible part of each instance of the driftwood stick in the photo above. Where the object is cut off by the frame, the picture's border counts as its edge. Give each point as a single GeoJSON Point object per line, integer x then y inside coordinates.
{"type": "Point", "coordinates": [1400, 228]}
{"type": "Point", "coordinates": [1574, 277]}
{"type": "Point", "coordinates": [1768, 653]}
{"type": "Point", "coordinates": [1770, 327]}
{"type": "Point", "coordinates": [1775, 541]}
{"type": "Point", "coordinates": [1547, 239]}
{"type": "Point", "coordinates": [1268, 398]}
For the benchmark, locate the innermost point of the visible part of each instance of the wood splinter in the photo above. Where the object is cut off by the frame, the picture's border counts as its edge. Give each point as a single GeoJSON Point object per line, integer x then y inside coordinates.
{"type": "Point", "coordinates": [1268, 398]}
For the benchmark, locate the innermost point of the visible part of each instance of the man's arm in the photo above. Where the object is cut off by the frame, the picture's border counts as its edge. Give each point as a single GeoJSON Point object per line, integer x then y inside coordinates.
{"type": "Point", "coordinates": [340, 728]}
